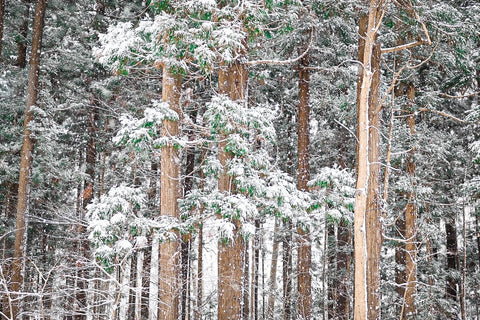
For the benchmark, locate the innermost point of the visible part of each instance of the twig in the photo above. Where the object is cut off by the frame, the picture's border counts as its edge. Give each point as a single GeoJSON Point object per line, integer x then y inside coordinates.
{"type": "Point", "coordinates": [460, 97]}
{"type": "Point", "coordinates": [443, 114]}
{"type": "Point", "coordinates": [283, 62]}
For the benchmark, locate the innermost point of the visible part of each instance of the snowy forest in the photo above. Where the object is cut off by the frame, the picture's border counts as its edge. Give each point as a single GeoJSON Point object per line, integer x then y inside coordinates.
{"type": "Point", "coordinates": [239, 159]}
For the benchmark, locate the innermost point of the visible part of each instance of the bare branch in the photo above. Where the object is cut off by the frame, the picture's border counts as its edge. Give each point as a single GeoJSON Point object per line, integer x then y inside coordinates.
{"type": "Point", "coordinates": [404, 47]}
{"type": "Point", "coordinates": [460, 97]}
{"type": "Point", "coordinates": [443, 114]}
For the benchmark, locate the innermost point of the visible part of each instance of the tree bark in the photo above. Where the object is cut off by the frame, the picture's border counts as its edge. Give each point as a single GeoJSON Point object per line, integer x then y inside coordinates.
{"type": "Point", "coordinates": [367, 227]}
{"type": "Point", "coordinates": [232, 81]}
{"type": "Point", "coordinates": [153, 283]}
{"type": "Point", "coordinates": [287, 270]}
{"type": "Point", "coordinates": [186, 241]}
{"type": "Point", "coordinates": [139, 279]}
{"type": "Point", "coordinates": [256, 268]}
{"type": "Point", "coordinates": [2, 25]}
{"type": "Point", "coordinates": [22, 36]}
{"type": "Point", "coordinates": [344, 259]}
{"type": "Point", "coordinates": [410, 221]}
{"type": "Point", "coordinates": [170, 273]}
{"type": "Point", "coordinates": [125, 288]}
{"type": "Point", "coordinates": [199, 313]}
{"type": "Point", "coordinates": [86, 198]}
{"type": "Point", "coordinates": [452, 266]}
{"type": "Point", "coordinates": [273, 273]}
{"type": "Point", "coordinates": [26, 155]}
{"type": "Point", "coordinates": [304, 263]}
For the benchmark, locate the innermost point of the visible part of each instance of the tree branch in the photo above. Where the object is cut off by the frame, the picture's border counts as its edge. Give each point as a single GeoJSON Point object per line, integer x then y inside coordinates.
{"type": "Point", "coordinates": [443, 114]}
{"type": "Point", "coordinates": [403, 47]}
{"type": "Point", "coordinates": [460, 97]}
{"type": "Point", "coordinates": [283, 62]}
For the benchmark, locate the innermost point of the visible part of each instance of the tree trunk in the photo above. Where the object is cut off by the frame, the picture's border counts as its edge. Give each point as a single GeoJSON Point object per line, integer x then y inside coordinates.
{"type": "Point", "coordinates": [232, 81]}
{"type": "Point", "coordinates": [329, 270]}
{"type": "Point", "coordinates": [188, 185]}
{"type": "Point", "coordinates": [153, 283]}
{"type": "Point", "coordinates": [199, 313]}
{"type": "Point", "coordinates": [86, 198]}
{"type": "Point", "coordinates": [246, 281]}
{"type": "Point", "coordinates": [304, 263]}
{"type": "Point", "coordinates": [287, 271]}
{"type": "Point", "coordinates": [452, 266]}
{"type": "Point", "coordinates": [2, 25]}
{"type": "Point", "coordinates": [410, 221]}
{"type": "Point", "coordinates": [256, 268]}
{"type": "Point", "coordinates": [367, 227]}
{"type": "Point", "coordinates": [170, 273]}
{"type": "Point", "coordinates": [141, 243]}
{"type": "Point", "coordinates": [344, 258]}
{"type": "Point", "coordinates": [125, 288]}
{"type": "Point", "coordinates": [26, 155]}
{"type": "Point", "coordinates": [22, 36]}
{"type": "Point", "coordinates": [273, 273]}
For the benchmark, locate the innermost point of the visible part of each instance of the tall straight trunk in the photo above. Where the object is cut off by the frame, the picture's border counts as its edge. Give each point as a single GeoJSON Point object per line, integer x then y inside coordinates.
{"type": "Point", "coordinates": [410, 221]}
{"type": "Point", "coordinates": [198, 315]}
{"type": "Point", "coordinates": [141, 243]}
{"type": "Point", "coordinates": [273, 272]}
{"type": "Point", "coordinates": [329, 269]}
{"type": "Point", "coordinates": [344, 259]}
{"type": "Point", "coordinates": [246, 281]}
{"type": "Point", "coordinates": [2, 25]}
{"type": "Point", "coordinates": [256, 269]}
{"type": "Point", "coordinates": [125, 288]}
{"type": "Point", "coordinates": [87, 197]}
{"type": "Point", "coordinates": [170, 273]}
{"type": "Point", "coordinates": [478, 232]}
{"type": "Point", "coordinates": [400, 277]}
{"type": "Point", "coordinates": [26, 155]}
{"type": "Point", "coordinates": [186, 243]}
{"type": "Point", "coordinates": [463, 293]}
{"type": "Point", "coordinates": [22, 36]}
{"type": "Point", "coordinates": [153, 283]}
{"type": "Point", "coordinates": [232, 81]}
{"type": "Point", "coordinates": [367, 227]}
{"type": "Point", "coordinates": [198, 312]}
{"type": "Point", "coordinates": [374, 225]}
{"type": "Point", "coordinates": [287, 271]}
{"type": "Point", "coordinates": [452, 266]}
{"type": "Point", "coordinates": [304, 262]}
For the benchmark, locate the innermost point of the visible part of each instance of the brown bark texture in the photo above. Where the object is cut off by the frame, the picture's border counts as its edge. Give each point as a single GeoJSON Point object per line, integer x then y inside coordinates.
{"type": "Point", "coordinates": [287, 271]}
{"type": "Point", "coordinates": [26, 155]}
{"type": "Point", "coordinates": [367, 227]}
{"type": "Point", "coordinates": [22, 37]}
{"type": "Point", "coordinates": [344, 258]}
{"type": "Point", "coordinates": [410, 220]}
{"type": "Point", "coordinates": [2, 25]}
{"type": "Point", "coordinates": [232, 81]}
{"type": "Point", "coordinates": [273, 273]}
{"type": "Point", "coordinates": [374, 225]}
{"type": "Point", "coordinates": [452, 252]}
{"type": "Point", "coordinates": [304, 263]}
{"type": "Point", "coordinates": [169, 262]}
{"type": "Point", "coordinates": [87, 197]}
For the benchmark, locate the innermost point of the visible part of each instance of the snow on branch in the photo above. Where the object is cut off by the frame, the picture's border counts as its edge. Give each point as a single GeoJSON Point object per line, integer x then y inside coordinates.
{"type": "Point", "coordinates": [404, 46]}
{"type": "Point", "coordinates": [283, 62]}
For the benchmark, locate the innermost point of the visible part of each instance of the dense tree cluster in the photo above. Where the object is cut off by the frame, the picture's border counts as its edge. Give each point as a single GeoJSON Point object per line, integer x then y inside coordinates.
{"type": "Point", "coordinates": [239, 159]}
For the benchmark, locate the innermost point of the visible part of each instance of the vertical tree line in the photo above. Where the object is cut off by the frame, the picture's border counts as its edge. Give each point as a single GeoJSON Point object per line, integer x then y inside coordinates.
{"type": "Point", "coordinates": [225, 160]}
